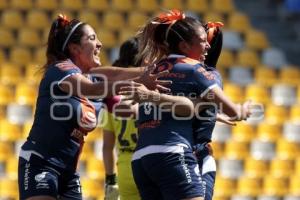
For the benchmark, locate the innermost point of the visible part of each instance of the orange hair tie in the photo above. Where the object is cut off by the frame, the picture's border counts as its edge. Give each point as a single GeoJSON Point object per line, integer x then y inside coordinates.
{"type": "Point", "coordinates": [170, 17]}
{"type": "Point", "coordinates": [63, 19]}
{"type": "Point", "coordinates": [212, 29]}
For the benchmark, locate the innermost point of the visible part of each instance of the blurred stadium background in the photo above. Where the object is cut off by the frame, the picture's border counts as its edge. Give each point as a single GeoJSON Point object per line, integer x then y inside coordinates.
{"type": "Point", "coordinates": [257, 159]}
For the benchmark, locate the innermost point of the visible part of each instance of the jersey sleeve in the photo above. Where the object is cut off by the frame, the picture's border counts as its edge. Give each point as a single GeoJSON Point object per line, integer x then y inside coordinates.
{"type": "Point", "coordinates": [65, 70]}
{"type": "Point", "coordinates": [205, 80]}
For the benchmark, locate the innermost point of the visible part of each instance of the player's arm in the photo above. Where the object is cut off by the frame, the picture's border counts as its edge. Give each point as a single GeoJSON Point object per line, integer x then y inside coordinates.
{"type": "Point", "coordinates": [118, 73]}
{"type": "Point", "coordinates": [139, 93]}
{"type": "Point", "coordinates": [79, 85]}
{"type": "Point", "coordinates": [210, 92]}
{"type": "Point", "coordinates": [109, 158]}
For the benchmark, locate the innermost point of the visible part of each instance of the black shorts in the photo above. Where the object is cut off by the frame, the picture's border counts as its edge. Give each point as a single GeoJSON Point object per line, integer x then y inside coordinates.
{"type": "Point", "coordinates": [37, 177]}
{"type": "Point", "coordinates": [168, 175]}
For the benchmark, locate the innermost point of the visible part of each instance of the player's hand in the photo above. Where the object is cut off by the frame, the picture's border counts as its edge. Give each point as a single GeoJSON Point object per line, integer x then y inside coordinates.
{"type": "Point", "coordinates": [151, 81]}
{"type": "Point", "coordinates": [225, 119]}
{"type": "Point", "coordinates": [137, 93]}
{"type": "Point", "coordinates": [111, 192]}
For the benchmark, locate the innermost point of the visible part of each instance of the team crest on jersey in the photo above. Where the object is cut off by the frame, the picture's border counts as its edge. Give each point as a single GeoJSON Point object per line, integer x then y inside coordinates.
{"type": "Point", "coordinates": [88, 120]}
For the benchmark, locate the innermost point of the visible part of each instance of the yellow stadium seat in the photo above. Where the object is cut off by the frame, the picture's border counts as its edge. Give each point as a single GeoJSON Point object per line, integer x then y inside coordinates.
{"type": "Point", "coordinates": [29, 37]}
{"type": "Point", "coordinates": [226, 59]}
{"type": "Point", "coordinates": [287, 149]}
{"type": "Point", "coordinates": [215, 197]}
{"type": "Point", "coordinates": [256, 40]}
{"type": "Point", "coordinates": [2, 55]}
{"type": "Point", "coordinates": [89, 17]}
{"type": "Point", "coordinates": [255, 168]}
{"type": "Point", "coordinates": [39, 56]}
{"type": "Point", "coordinates": [26, 94]}
{"type": "Point", "coordinates": [7, 38]}
{"type": "Point", "coordinates": [268, 132]}
{"type": "Point", "coordinates": [104, 58]}
{"type": "Point", "coordinates": [239, 22]}
{"type": "Point", "coordinates": [297, 167]}
{"type": "Point", "coordinates": [276, 114]}
{"type": "Point", "coordinates": [236, 150]}
{"type": "Point", "coordinates": [107, 37]}
{"type": "Point", "coordinates": [136, 20]}
{"type": "Point", "coordinates": [281, 167]}
{"type": "Point", "coordinates": [257, 93]}
{"type": "Point", "coordinates": [243, 132]}
{"type": "Point", "coordinates": [97, 5]}
{"type": "Point", "coordinates": [87, 151]}
{"type": "Point", "coordinates": [248, 58]}
{"type": "Point", "coordinates": [3, 4]}
{"type": "Point", "coordinates": [171, 4]}
{"type": "Point", "coordinates": [91, 188]}
{"type": "Point", "coordinates": [11, 168]}
{"type": "Point", "coordinates": [295, 113]}
{"type": "Point", "coordinates": [224, 187]}
{"type": "Point", "coordinates": [95, 168]}
{"type": "Point", "coordinates": [10, 74]}
{"type": "Point", "coordinates": [49, 5]}
{"type": "Point", "coordinates": [125, 35]}
{"type": "Point", "coordinates": [275, 186]}
{"type": "Point", "coordinates": [294, 185]}
{"type": "Point", "coordinates": [122, 5]}
{"type": "Point", "coordinates": [265, 75]}
{"type": "Point", "coordinates": [223, 6]}
{"type": "Point", "coordinates": [218, 149]}
{"type": "Point", "coordinates": [213, 17]}
{"type": "Point", "coordinates": [26, 129]}
{"type": "Point", "coordinates": [33, 73]}
{"type": "Point", "coordinates": [37, 19]}
{"type": "Point", "coordinates": [72, 5]}
{"type": "Point", "coordinates": [234, 92]}
{"type": "Point", "coordinates": [20, 55]}
{"type": "Point", "coordinates": [113, 20]}
{"type": "Point", "coordinates": [290, 75]}
{"type": "Point", "coordinates": [200, 6]}
{"type": "Point", "coordinates": [6, 150]}
{"type": "Point", "coordinates": [249, 186]}
{"type": "Point", "coordinates": [6, 95]}
{"type": "Point", "coordinates": [94, 135]}
{"type": "Point", "coordinates": [9, 188]}
{"type": "Point", "coordinates": [22, 5]}
{"type": "Point", "coordinates": [9, 131]}
{"type": "Point", "coordinates": [12, 19]}
{"type": "Point", "coordinates": [147, 5]}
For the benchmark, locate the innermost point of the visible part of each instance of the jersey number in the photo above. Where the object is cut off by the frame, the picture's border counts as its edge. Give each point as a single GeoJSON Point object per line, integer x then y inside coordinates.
{"type": "Point", "coordinates": [123, 142]}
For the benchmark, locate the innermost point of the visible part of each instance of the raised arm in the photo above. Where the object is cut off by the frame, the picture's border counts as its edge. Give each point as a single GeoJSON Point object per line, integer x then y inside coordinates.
{"type": "Point", "coordinates": [182, 106]}
{"type": "Point", "coordinates": [118, 73]}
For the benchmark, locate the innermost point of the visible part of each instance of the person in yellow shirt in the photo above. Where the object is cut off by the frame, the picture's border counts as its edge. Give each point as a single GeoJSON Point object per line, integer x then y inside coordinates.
{"type": "Point", "coordinates": [122, 134]}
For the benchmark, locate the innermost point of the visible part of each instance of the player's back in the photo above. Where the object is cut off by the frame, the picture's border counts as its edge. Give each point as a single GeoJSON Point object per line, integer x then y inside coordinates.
{"type": "Point", "coordinates": [158, 126]}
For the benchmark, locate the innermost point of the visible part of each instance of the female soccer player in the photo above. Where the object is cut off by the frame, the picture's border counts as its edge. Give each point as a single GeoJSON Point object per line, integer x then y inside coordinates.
{"type": "Point", "coordinates": [67, 107]}
{"type": "Point", "coordinates": [164, 166]}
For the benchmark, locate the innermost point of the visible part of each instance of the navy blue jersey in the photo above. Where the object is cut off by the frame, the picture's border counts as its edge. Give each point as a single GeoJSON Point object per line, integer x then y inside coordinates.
{"type": "Point", "coordinates": [158, 127]}
{"type": "Point", "coordinates": [203, 127]}
{"type": "Point", "coordinates": [61, 120]}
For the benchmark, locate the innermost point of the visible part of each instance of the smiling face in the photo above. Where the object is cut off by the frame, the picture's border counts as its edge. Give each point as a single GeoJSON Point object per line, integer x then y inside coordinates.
{"type": "Point", "coordinates": [198, 47]}
{"type": "Point", "coordinates": [86, 54]}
